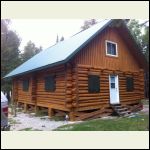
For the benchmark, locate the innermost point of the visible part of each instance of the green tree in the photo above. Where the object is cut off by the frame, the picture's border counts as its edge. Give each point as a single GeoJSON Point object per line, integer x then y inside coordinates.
{"type": "Point", "coordinates": [10, 43]}
{"type": "Point", "coordinates": [29, 51]}
{"type": "Point", "coordinates": [135, 29]}
{"type": "Point", "coordinates": [145, 42]}
{"type": "Point", "coordinates": [142, 38]}
{"type": "Point", "coordinates": [88, 23]}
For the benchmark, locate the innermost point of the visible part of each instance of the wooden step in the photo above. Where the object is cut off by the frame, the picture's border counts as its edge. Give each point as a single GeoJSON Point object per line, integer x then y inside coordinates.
{"type": "Point", "coordinates": [124, 112]}
{"type": "Point", "coordinates": [117, 106]}
{"type": "Point", "coordinates": [122, 109]}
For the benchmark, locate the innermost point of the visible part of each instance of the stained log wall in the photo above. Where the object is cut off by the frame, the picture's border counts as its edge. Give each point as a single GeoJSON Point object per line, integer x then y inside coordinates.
{"type": "Point", "coordinates": [38, 96]}
{"type": "Point", "coordinates": [56, 99]}
{"type": "Point", "coordinates": [87, 101]}
{"type": "Point", "coordinates": [25, 96]}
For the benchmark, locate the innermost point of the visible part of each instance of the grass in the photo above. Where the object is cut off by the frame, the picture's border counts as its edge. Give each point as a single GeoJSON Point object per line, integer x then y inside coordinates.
{"type": "Point", "coordinates": [29, 129]}
{"type": "Point", "coordinates": [57, 118]}
{"type": "Point", "coordinates": [26, 129]}
{"type": "Point", "coordinates": [145, 102]}
{"type": "Point", "coordinates": [137, 123]}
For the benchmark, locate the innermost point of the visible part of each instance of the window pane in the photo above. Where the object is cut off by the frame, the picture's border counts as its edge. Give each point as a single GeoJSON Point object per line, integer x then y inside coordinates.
{"type": "Point", "coordinates": [112, 85]}
{"type": "Point", "coordinates": [26, 85]}
{"type": "Point", "coordinates": [129, 84]}
{"type": "Point", "coordinates": [108, 48]}
{"type": "Point", "coordinates": [50, 83]}
{"type": "Point", "coordinates": [112, 79]}
{"type": "Point", "coordinates": [93, 84]}
{"type": "Point", "coordinates": [111, 48]}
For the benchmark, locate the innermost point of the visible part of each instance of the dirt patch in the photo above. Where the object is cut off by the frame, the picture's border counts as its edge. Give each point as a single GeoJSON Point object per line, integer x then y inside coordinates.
{"type": "Point", "coordinates": [28, 121]}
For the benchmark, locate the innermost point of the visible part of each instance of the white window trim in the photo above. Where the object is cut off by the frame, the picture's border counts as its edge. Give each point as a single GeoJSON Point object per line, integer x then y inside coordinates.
{"type": "Point", "coordinates": [107, 41]}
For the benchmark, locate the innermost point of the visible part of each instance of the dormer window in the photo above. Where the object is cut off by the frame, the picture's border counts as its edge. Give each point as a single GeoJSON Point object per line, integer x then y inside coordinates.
{"type": "Point", "coordinates": [111, 48]}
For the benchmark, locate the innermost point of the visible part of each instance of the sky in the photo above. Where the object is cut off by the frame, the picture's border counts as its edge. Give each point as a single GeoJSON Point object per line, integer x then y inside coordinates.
{"type": "Point", "coordinates": [43, 32]}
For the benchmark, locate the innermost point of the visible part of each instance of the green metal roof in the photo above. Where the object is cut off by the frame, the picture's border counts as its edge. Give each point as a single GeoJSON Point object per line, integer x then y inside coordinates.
{"type": "Point", "coordinates": [60, 52]}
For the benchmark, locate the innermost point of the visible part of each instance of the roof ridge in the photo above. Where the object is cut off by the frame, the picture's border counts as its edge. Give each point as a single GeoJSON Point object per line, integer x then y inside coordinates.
{"type": "Point", "coordinates": [89, 27]}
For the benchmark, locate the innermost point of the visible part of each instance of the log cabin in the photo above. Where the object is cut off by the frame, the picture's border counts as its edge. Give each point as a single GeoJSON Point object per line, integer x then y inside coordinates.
{"type": "Point", "coordinates": [84, 76]}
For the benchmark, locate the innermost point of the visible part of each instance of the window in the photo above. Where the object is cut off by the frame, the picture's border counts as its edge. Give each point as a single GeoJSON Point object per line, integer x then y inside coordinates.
{"type": "Point", "coordinates": [112, 82]}
{"type": "Point", "coordinates": [50, 84]}
{"type": "Point", "coordinates": [111, 48]}
{"type": "Point", "coordinates": [26, 85]}
{"type": "Point", "coordinates": [130, 84]}
{"type": "Point", "coordinates": [93, 84]}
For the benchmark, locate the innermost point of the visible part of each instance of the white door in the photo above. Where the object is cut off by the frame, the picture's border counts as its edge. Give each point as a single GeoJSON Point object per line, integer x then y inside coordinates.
{"type": "Point", "coordinates": [114, 89]}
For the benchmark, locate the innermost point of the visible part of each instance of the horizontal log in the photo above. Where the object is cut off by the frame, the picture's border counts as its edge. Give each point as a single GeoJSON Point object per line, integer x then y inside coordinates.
{"type": "Point", "coordinates": [129, 99]}
{"type": "Point", "coordinates": [79, 113]}
{"type": "Point", "coordinates": [93, 95]}
{"type": "Point", "coordinates": [50, 94]}
{"type": "Point", "coordinates": [69, 85]}
{"type": "Point", "coordinates": [50, 101]}
{"type": "Point", "coordinates": [91, 104]}
{"type": "Point", "coordinates": [57, 85]}
{"type": "Point", "coordinates": [90, 107]}
{"type": "Point", "coordinates": [26, 102]}
{"type": "Point", "coordinates": [130, 102]}
{"type": "Point", "coordinates": [98, 73]}
{"type": "Point", "coordinates": [129, 94]}
{"type": "Point", "coordinates": [88, 115]}
{"type": "Point", "coordinates": [50, 98]}
{"type": "Point", "coordinates": [102, 89]}
{"type": "Point", "coordinates": [59, 107]}
{"type": "Point", "coordinates": [69, 106]}
{"type": "Point", "coordinates": [69, 100]}
{"type": "Point", "coordinates": [83, 71]}
{"type": "Point", "coordinates": [57, 90]}
{"type": "Point", "coordinates": [83, 78]}
{"type": "Point", "coordinates": [101, 86]}
{"type": "Point", "coordinates": [101, 115]}
{"type": "Point", "coordinates": [88, 98]}
{"type": "Point", "coordinates": [93, 101]}
{"type": "Point", "coordinates": [24, 97]}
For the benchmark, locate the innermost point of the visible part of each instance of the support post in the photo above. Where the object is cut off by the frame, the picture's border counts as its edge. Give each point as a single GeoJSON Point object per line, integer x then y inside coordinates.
{"type": "Point", "coordinates": [36, 109]}
{"type": "Point", "coordinates": [25, 107]}
{"type": "Point", "coordinates": [71, 116]}
{"type": "Point", "coordinates": [50, 112]}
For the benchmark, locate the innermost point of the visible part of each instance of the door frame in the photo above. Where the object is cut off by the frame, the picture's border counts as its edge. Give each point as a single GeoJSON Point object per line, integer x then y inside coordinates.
{"type": "Point", "coordinates": [116, 79]}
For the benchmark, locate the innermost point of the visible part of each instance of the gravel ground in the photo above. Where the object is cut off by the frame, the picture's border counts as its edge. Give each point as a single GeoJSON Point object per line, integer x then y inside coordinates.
{"type": "Point", "coordinates": [24, 121]}
{"type": "Point", "coordinates": [27, 121]}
